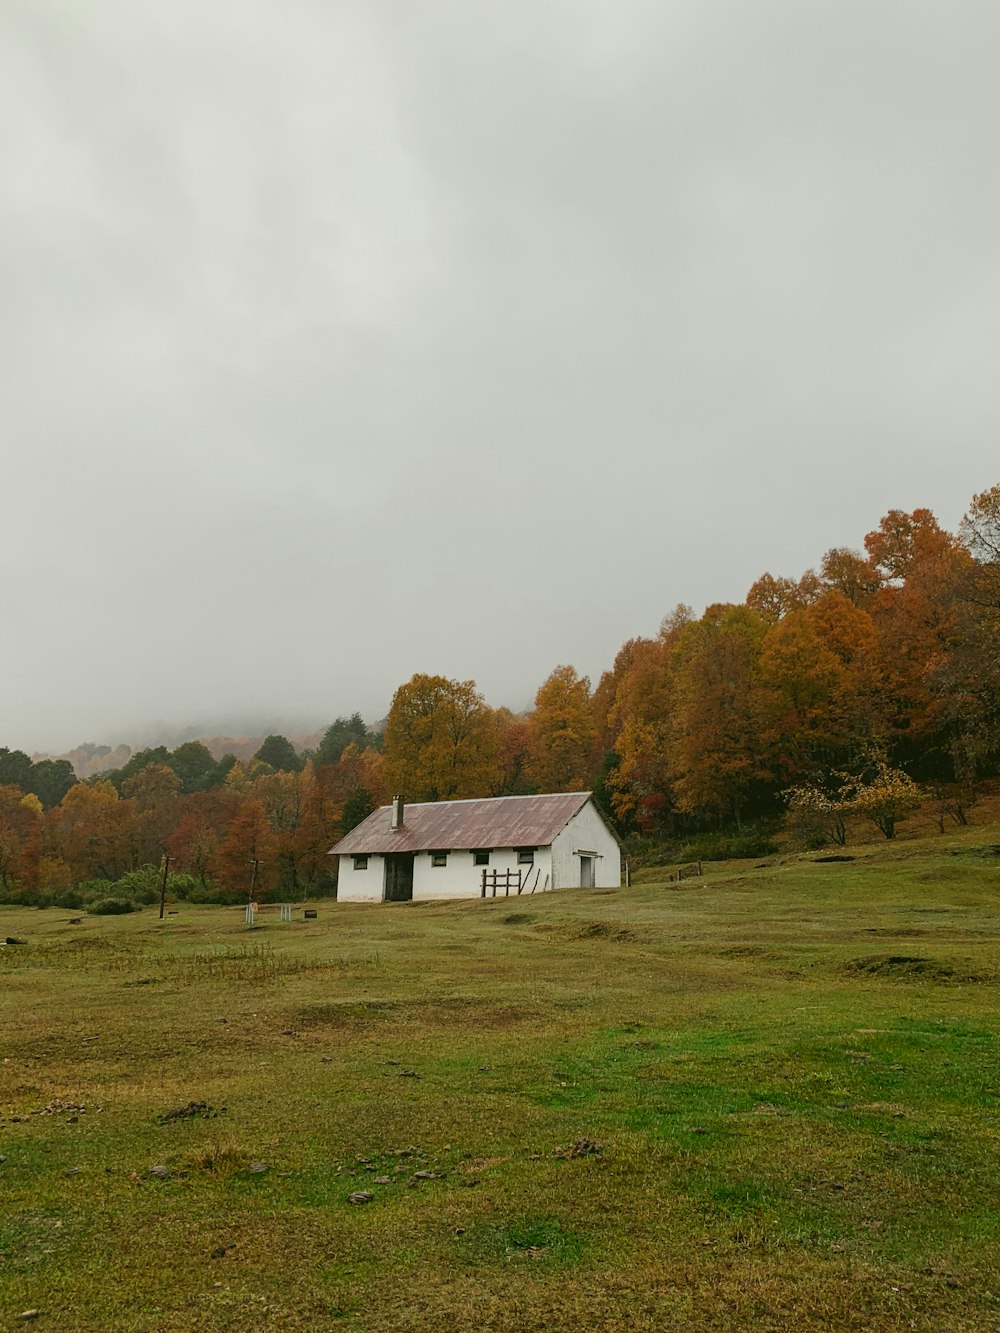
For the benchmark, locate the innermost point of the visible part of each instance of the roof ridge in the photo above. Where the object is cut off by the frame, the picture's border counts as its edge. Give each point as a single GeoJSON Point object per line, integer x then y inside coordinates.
{"type": "Point", "coordinates": [467, 800]}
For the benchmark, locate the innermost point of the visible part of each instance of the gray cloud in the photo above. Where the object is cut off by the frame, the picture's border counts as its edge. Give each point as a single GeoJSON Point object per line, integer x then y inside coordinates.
{"type": "Point", "coordinates": [343, 341]}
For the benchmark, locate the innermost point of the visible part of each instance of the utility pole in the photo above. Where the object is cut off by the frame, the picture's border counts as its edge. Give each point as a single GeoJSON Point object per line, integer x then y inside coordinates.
{"type": "Point", "coordinates": [255, 862]}
{"type": "Point", "coordinates": [163, 883]}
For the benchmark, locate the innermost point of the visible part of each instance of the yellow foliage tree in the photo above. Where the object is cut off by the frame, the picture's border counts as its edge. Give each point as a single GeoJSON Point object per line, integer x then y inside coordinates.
{"type": "Point", "coordinates": [563, 730]}
{"type": "Point", "coordinates": [441, 741]}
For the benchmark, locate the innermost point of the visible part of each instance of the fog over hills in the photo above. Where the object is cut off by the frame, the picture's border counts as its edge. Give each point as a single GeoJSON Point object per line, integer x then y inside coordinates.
{"type": "Point", "coordinates": [348, 341]}
{"type": "Point", "coordinates": [240, 737]}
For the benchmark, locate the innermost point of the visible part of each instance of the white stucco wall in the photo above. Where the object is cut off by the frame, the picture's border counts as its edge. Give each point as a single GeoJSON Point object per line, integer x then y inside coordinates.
{"type": "Point", "coordinates": [586, 832]}
{"type": "Point", "coordinates": [361, 886]}
{"type": "Point", "coordinates": [460, 878]}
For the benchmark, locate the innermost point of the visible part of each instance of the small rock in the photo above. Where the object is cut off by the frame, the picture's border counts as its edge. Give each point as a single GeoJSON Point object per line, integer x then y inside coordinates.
{"type": "Point", "coordinates": [360, 1196]}
{"type": "Point", "coordinates": [409, 1073]}
{"type": "Point", "coordinates": [485, 1069]}
{"type": "Point", "coordinates": [220, 1251]}
{"type": "Point", "coordinates": [383, 1180]}
{"type": "Point", "coordinates": [698, 1129]}
{"type": "Point", "coordinates": [190, 1111]}
{"type": "Point", "coordinates": [29, 1314]}
{"type": "Point", "coordinates": [11, 939]}
{"type": "Point", "coordinates": [841, 1106]}
{"type": "Point", "coordinates": [160, 1172]}
{"type": "Point", "coordinates": [428, 1175]}
{"type": "Point", "coordinates": [72, 1171]}
{"type": "Point", "coordinates": [580, 1148]}
{"type": "Point", "coordinates": [258, 1168]}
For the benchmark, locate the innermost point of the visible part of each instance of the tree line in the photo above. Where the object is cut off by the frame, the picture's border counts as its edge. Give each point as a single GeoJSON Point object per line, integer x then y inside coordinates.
{"type": "Point", "coordinates": [847, 689]}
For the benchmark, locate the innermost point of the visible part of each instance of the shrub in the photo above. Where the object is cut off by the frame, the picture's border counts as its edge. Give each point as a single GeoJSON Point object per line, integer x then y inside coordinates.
{"type": "Point", "coordinates": [727, 846]}
{"type": "Point", "coordinates": [112, 907]}
{"type": "Point", "coordinates": [183, 886]}
{"type": "Point", "coordinates": [214, 893]}
{"type": "Point", "coordinates": [141, 886]}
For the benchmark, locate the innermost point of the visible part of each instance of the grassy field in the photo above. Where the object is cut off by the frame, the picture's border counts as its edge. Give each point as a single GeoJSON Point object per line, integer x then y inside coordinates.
{"type": "Point", "coordinates": [767, 1099]}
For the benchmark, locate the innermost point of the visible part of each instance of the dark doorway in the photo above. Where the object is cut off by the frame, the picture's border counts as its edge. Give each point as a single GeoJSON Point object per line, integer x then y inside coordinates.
{"type": "Point", "coordinates": [586, 872]}
{"type": "Point", "coordinates": [398, 877]}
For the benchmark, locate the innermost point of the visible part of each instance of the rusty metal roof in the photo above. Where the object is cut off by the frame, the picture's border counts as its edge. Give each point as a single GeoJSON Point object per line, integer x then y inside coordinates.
{"type": "Point", "coordinates": [499, 821]}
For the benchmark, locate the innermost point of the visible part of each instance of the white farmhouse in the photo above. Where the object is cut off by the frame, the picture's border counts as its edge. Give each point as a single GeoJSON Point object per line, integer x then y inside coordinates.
{"type": "Point", "coordinates": [481, 848]}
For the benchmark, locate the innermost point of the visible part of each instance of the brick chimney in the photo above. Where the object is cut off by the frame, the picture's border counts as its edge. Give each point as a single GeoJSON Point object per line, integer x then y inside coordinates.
{"type": "Point", "coordinates": [397, 812]}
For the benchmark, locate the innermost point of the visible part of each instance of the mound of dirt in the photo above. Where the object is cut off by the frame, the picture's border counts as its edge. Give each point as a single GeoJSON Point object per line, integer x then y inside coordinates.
{"type": "Point", "coordinates": [907, 967]}
{"type": "Point", "coordinates": [603, 930]}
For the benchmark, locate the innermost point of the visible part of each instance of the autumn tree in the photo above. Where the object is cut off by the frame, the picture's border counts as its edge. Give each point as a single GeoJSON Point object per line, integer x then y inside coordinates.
{"type": "Point", "coordinates": [773, 597]}
{"type": "Point", "coordinates": [642, 721]}
{"type": "Point", "coordinates": [715, 756]}
{"type": "Point", "coordinates": [798, 688]}
{"type": "Point", "coordinates": [821, 810]}
{"type": "Point", "coordinates": [562, 733]}
{"type": "Point", "coordinates": [194, 843]}
{"type": "Point", "coordinates": [886, 796]}
{"type": "Point", "coordinates": [355, 809]}
{"type": "Point", "coordinates": [20, 816]}
{"type": "Point", "coordinates": [247, 839]}
{"type": "Point", "coordinates": [94, 833]}
{"type": "Point", "coordinates": [917, 615]}
{"type": "Point", "coordinates": [848, 573]}
{"type": "Point", "coordinates": [441, 740]}
{"type": "Point", "coordinates": [513, 754]}
{"type": "Point", "coordinates": [318, 827]}
{"type": "Point", "coordinates": [966, 680]}
{"type": "Point", "coordinates": [902, 540]}
{"type": "Point", "coordinates": [153, 792]}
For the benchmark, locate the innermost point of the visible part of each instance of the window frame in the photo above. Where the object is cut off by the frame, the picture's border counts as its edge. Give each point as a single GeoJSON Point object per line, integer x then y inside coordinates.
{"type": "Point", "coordinates": [481, 856]}
{"type": "Point", "coordinates": [525, 855]}
{"type": "Point", "coordinates": [361, 861]}
{"type": "Point", "coordinates": [439, 860]}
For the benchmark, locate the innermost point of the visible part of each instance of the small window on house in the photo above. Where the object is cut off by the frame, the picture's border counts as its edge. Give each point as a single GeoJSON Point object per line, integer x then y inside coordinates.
{"type": "Point", "coordinates": [525, 856]}
{"type": "Point", "coordinates": [439, 858]}
{"type": "Point", "coordinates": [480, 858]}
{"type": "Point", "coordinates": [361, 863]}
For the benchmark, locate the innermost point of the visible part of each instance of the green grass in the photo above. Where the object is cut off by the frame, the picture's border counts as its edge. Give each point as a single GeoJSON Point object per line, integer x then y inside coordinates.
{"type": "Point", "coordinates": [792, 1070]}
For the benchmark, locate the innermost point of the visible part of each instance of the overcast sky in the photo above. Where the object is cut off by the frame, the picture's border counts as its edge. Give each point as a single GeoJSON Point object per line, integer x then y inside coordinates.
{"type": "Point", "coordinates": [342, 341]}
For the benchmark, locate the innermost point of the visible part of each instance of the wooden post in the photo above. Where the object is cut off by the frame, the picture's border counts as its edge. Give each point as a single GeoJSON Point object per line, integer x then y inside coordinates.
{"type": "Point", "coordinates": [163, 883]}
